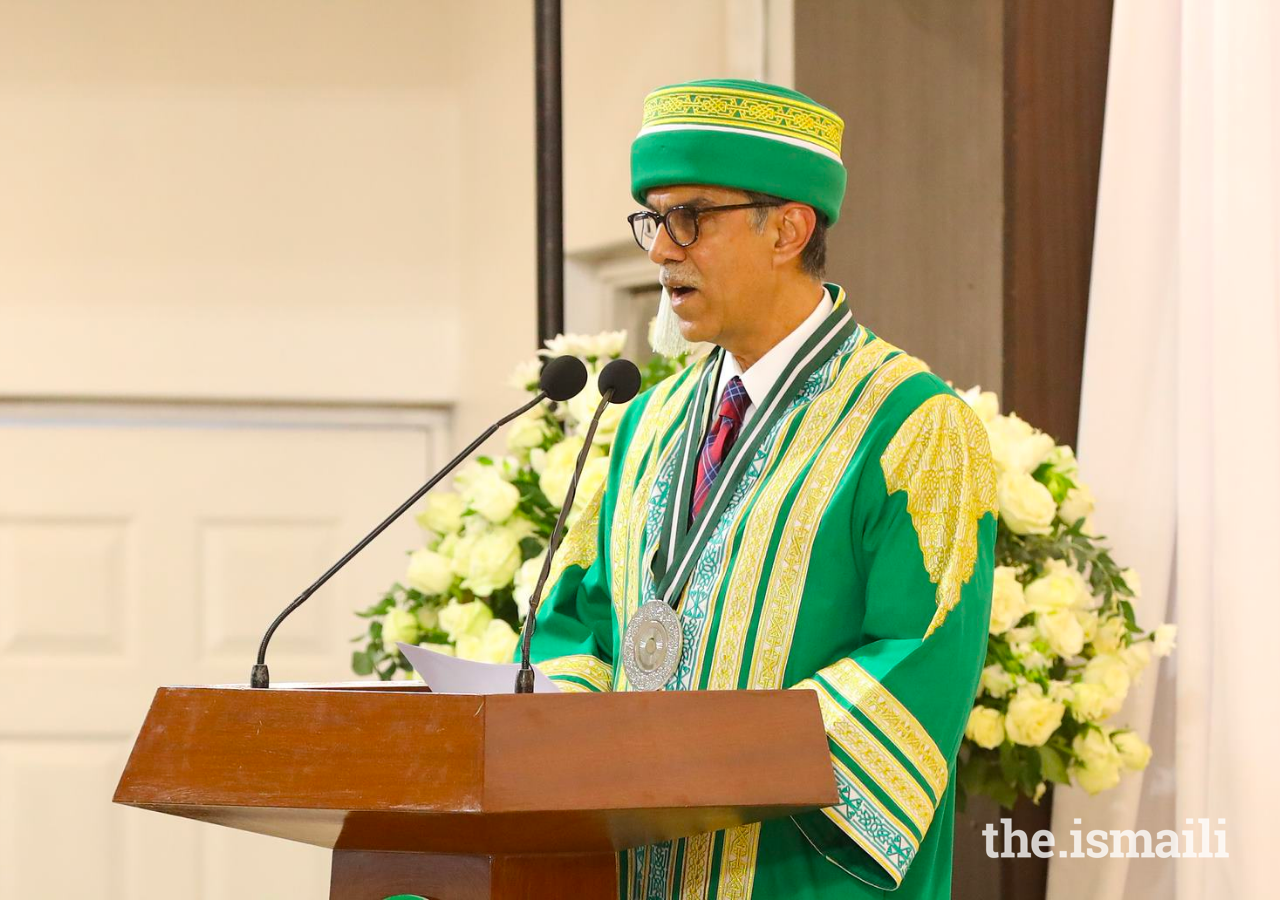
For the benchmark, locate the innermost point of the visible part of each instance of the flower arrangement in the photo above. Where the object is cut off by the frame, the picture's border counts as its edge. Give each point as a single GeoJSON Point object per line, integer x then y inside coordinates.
{"type": "Point", "coordinates": [466, 591]}
{"type": "Point", "coordinates": [1064, 647]}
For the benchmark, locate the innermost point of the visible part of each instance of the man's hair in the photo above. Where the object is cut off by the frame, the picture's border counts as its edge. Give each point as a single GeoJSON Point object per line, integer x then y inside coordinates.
{"type": "Point", "coordinates": [813, 258]}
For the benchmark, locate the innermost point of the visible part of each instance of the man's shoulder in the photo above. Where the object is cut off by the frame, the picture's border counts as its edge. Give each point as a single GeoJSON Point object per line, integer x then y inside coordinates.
{"type": "Point", "coordinates": [909, 389]}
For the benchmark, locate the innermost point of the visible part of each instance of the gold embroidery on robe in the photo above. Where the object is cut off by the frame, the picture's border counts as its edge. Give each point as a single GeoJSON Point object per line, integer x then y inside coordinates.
{"type": "Point", "coordinates": [941, 458]}
{"type": "Point", "coordinates": [596, 673]}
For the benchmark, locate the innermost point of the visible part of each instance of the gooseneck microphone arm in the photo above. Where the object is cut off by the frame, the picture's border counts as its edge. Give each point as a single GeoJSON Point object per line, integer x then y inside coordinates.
{"type": "Point", "coordinates": [619, 382]}
{"type": "Point", "coordinates": [561, 379]}
{"type": "Point", "coordinates": [524, 677]}
{"type": "Point", "coordinates": [260, 677]}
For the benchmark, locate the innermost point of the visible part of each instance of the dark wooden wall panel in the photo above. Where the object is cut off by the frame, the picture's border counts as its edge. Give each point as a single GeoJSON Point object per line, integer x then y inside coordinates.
{"type": "Point", "coordinates": [1055, 78]}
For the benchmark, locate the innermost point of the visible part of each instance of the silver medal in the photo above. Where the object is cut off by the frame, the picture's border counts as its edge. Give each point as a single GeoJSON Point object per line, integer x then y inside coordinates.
{"type": "Point", "coordinates": [651, 646]}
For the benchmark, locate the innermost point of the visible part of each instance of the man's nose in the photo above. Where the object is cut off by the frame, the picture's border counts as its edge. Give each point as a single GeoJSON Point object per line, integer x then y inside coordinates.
{"type": "Point", "coordinates": [664, 250]}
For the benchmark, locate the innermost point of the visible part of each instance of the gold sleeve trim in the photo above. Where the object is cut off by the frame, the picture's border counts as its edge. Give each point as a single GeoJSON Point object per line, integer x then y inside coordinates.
{"type": "Point", "coordinates": [591, 670]}
{"type": "Point", "coordinates": [888, 714]}
{"type": "Point", "coordinates": [941, 458]}
{"type": "Point", "coordinates": [890, 775]}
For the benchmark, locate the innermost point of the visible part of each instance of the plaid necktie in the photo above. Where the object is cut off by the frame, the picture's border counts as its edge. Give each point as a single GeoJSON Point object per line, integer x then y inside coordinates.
{"type": "Point", "coordinates": [723, 432]}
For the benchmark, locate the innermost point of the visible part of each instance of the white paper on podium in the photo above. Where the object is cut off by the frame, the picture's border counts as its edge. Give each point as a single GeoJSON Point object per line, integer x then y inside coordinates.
{"type": "Point", "coordinates": [449, 675]}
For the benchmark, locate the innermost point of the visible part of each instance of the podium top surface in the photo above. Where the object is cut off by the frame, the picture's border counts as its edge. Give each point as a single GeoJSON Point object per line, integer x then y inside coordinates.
{"type": "Point", "coordinates": [382, 767]}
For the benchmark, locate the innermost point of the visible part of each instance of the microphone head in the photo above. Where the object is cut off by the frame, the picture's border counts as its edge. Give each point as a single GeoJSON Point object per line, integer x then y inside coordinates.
{"type": "Point", "coordinates": [621, 375]}
{"type": "Point", "coordinates": [563, 377]}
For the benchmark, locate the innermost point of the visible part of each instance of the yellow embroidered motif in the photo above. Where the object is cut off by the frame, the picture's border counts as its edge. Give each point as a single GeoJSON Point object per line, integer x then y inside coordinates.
{"type": "Point", "coordinates": [738, 862]}
{"type": "Point", "coordinates": [941, 458]}
{"type": "Point", "coordinates": [733, 107]}
{"type": "Point", "coordinates": [857, 688]}
{"type": "Point", "coordinates": [595, 672]}
{"type": "Point", "coordinates": [697, 867]}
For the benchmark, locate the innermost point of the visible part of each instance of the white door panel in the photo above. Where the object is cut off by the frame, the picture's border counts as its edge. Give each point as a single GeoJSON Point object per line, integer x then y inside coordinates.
{"type": "Point", "coordinates": [134, 555]}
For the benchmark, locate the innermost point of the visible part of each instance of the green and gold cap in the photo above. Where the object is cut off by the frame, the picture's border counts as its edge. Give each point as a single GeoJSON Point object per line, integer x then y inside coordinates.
{"type": "Point", "coordinates": [740, 134]}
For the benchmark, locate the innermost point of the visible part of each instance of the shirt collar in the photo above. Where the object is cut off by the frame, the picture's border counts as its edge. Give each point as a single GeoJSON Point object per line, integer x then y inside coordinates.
{"type": "Point", "coordinates": [760, 378]}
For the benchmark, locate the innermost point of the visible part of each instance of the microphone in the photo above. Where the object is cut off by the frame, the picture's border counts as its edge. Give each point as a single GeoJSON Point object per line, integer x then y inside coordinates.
{"type": "Point", "coordinates": [619, 381]}
{"type": "Point", "coordinates": [562, 378]}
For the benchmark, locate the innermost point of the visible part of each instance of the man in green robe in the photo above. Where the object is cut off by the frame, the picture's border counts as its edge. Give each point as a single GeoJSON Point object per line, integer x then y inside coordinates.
{"type": "Point", "coordinates": [816, 507]}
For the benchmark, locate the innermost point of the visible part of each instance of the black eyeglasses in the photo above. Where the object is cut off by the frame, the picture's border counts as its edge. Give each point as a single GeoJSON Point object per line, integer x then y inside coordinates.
{"type": "Point", "coordinates": [681, 222]}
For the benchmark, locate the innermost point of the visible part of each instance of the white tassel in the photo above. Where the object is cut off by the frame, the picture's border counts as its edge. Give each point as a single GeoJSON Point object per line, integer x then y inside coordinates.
{"type": "Point", "coordinates": [664, 334]}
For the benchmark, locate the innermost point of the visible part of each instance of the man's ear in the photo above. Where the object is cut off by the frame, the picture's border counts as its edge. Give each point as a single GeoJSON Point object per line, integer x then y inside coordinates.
{"type": "Point", "coordinates": [796, 223]}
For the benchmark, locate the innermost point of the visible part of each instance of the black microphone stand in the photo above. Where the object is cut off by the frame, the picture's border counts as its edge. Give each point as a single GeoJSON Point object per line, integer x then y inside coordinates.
{"type": "Point", "coordinates": [260, 676]}
{"type": "Point", "coordinates": [524, 677]}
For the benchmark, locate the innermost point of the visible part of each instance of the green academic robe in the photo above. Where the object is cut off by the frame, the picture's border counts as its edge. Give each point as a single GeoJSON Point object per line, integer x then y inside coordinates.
{"type": "Point", "coordinates": [846, 548]}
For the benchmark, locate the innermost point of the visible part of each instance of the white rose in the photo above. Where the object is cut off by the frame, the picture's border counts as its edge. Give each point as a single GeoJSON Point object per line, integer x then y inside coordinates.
{"type": "Point", "coordinates": [525, 375]}
{"type": "Point", "coordinates": [1136, 657]}
{"type": "Point", "coordinates": [1040, 789]}
{"type": "Point", "coordinates": [1061, 691]}
{"type": "Point", "coordinates": [1134, 752]}
{"type": "Point", "coordinates": [496, 644]}
{"type": "Point", "coordinates": [429, 572]}
{"type": "Point", "coordinates": [526, 580]}
{"type": "Point", "coordinates": [1060, 587]}
{"type": "Point", "coordinates": [1032, 717]}
{"type": "Point", "coordinates": [492, 497]}
{"type": "Point", "coordinates": [985, 403]}
{"type": "Point", "coordinates": [1008, 604]}
{"type": "Point", "coordinates": [493, 561]}
{"type": "Point", "coordinates": [985, 727]}
{"type": "Point", "coordinates": [1110, 635]}
{"type": "Point", "coordinates": [1016, 447]}
{"type": "Point", "coordinates": [587, 346]}
{"type": "Point", "coordinates": [1099, 763]}
{"type": "Point", "coordinates": [1078, 504]}
{"type": "Point", "coordinates": [442, 512]}
{"type": "Point", "coordinates": [1035, 660]}
{"type": "Point", "coordinates": [1088, 623]}
{"type": "Point", "coordinates": [528, 431]}
{"type": "Point", "coordinates": [593, 478]}
{"type": "Point", "coordinates": [1063, 458]}
{"type": "Point", "coordinates": [1110, 671]}
{"type": "Point", "coordinates": [996, 681]}
{"type": "Point", "coordinates": [400, 626]}
{"type": "Point", "coordinates": [557, 470]}
{"type": "Point", "coordinates": [1026, 505]}
{"type": "Point", "coordinates": [1165, 639]}
{"type": "Point", "coordinates": [428, 617]}
{"type": "Point", "coordinates": [459, 619]}
{"type": "Point", "coordinates": [1093, 703]}
{"type": "Point", "coordinates": [583, 407]}
{"type": "Point", "coordinates": [459, 550]}
{"type": "Point", "coordinates": [1062, 630]}
{"type": "Point", "coordinates": [469, 473]}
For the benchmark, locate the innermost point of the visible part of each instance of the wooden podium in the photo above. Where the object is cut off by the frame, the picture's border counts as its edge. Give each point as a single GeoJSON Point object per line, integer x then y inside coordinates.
{"type": "Point", "coordinates": [453, 797]}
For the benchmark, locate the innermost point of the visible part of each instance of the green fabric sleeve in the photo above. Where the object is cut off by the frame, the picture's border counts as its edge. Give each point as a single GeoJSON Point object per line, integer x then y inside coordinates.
{"type": "Point", "coordinates": [923, 532]}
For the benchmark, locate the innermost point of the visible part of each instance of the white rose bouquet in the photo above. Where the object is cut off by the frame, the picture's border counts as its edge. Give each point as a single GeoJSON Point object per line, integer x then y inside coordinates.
{"type": "Point", "coordinates": [466, 591]}
{"type": "Point", "coordinates": [1064, 648]}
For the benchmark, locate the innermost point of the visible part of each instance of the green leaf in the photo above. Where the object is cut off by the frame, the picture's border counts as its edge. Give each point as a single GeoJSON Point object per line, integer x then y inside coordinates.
{"type": "Point", "coordinates": [361, 664]}
{"type": "Point", "coordinates": [1009, 763]}
{"type": "Point", "coordinates": [530, 547]}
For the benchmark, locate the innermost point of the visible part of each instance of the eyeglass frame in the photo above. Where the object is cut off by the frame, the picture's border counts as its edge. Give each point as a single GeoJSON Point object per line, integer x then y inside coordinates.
{"type": "Point", "coordinates": [698, 211]}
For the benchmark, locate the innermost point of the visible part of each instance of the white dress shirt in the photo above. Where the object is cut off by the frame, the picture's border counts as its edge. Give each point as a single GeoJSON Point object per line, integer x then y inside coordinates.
{"type": "Point", "coordinates": [760, 378]}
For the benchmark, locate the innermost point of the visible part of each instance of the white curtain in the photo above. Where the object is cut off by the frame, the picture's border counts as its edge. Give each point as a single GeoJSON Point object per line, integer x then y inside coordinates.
{"type": "Point", "coordinates": [1180, 434]}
